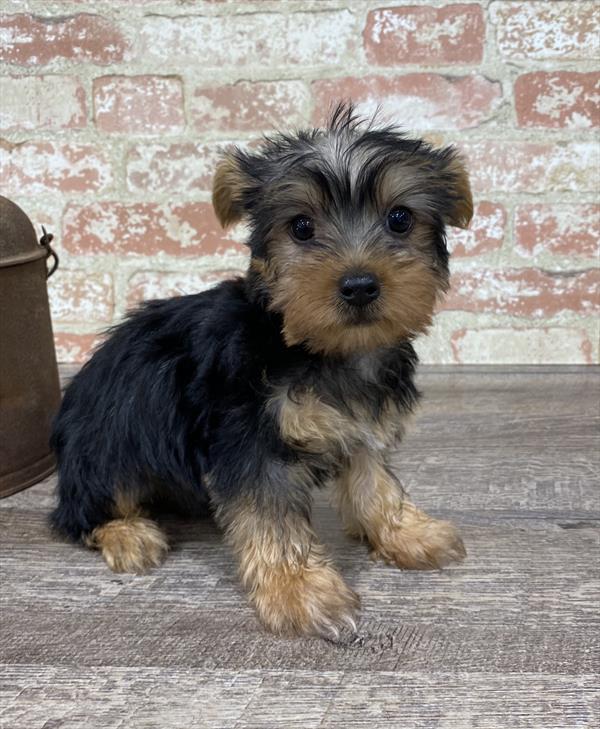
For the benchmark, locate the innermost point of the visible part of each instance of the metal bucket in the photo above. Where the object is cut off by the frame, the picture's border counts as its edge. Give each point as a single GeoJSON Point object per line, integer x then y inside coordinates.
{"type": "Point", "coordinates": [29, 385]}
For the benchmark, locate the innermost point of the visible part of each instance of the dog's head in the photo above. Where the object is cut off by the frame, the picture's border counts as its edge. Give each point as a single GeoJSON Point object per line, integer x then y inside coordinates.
{"type": "Point", "coordinates": [347, 229]}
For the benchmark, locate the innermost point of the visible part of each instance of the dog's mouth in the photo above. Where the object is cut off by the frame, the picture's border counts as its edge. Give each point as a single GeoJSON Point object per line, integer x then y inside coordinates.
{"type": "Point", "coordinates": [361, 317]}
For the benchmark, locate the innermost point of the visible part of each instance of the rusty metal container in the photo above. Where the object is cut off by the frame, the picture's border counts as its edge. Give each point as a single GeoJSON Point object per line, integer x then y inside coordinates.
{"type": "Point", "coordinates": [29, 385]}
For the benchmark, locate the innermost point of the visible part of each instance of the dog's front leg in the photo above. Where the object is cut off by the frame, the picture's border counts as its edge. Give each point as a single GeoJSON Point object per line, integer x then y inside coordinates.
{"type": "Point", "coordinates": [285, 569]}
{"type": "Point", "coordinates": [372, 505]}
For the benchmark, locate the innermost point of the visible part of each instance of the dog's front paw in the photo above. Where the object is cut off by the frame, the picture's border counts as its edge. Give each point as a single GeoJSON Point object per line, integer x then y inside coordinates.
{"type": "Point", "coordinates": [311, 600]}
{"type": "Point", "coordinates": [418, 542]}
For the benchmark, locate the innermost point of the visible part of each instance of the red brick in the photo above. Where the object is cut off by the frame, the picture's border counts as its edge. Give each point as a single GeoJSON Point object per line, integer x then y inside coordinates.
{"type": "Point", "coordinates": [416, 100]}
{"type": "Point", "coordinates": [558, 99]}
{"type": "Point", "coordinates": [247, 106]}
{"type": "Point", "coordinates": [545, 30]}
{"type": "Point", "coordinates": [81, 296]}
{"type": "Point", "coordinates": [566, 230]}
{"type": "Point", "coordinates": [41, 102]}
{"type": "Point", "coordinates": [138, 104]}
{"type": "Point", "coordinates": [147, 229]}
{"type": "Point", "coordinates": [32, 167]}
{"type": "Point", "coordinates": [261, 39]}
{"type": "Point", "coordinates": [514, 166]}
{"type": "Point", "coordinates": [37, 41]}
{"type": "Point", "coordinates": [178, 167]}
{"type": "Point", "coordinates": [147, 285]}
{"type": "Point", "coordinates": [525, 292]}
{"type": "Point", "coordinates": [485, 234]}
{"type": "Point", "coordinates": [511, 345]}
{"type": "Point", "coordinates": [425, 34]}
{"type": "Point", "coordinates": [75, 347]}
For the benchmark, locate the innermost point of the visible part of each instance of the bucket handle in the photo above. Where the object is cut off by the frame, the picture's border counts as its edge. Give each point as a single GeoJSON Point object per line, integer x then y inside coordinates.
{"type": "Point", "coordinates": [45, 241]}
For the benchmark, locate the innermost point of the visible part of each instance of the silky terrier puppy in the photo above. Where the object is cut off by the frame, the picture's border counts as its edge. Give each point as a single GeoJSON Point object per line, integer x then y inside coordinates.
{"type": "Point", "coordinates": [299, 375]}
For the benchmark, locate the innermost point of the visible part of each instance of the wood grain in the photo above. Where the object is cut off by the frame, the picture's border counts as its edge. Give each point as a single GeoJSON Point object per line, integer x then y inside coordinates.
{"type": "Point", "coordinates": [147, 698]}
{"type": "Point", "coordinates": [508, 639]}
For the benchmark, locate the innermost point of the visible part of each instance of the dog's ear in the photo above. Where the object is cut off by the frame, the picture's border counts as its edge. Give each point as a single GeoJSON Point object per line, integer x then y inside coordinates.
{"type": "Point", "coordinates": [229, 184]}
{"type": "Point", "coordinates": [455, 178]}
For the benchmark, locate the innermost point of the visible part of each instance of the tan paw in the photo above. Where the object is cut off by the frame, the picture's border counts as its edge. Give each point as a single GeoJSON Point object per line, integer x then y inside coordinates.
{"type": "Point", "coordinates": [418, 542]}
{"type": "Point", "coordinates": [130, 545]}
{"type": "Point", "coordinates": [311, 600]}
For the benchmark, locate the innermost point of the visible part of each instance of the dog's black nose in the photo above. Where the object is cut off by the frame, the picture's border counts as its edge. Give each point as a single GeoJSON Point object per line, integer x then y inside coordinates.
{"type": "Point", "coordinates": [359, 289]}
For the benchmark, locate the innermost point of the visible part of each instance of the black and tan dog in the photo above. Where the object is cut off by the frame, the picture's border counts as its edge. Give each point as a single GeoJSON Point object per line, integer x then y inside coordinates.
{"type": "Point", "coordinates": [299, 375]}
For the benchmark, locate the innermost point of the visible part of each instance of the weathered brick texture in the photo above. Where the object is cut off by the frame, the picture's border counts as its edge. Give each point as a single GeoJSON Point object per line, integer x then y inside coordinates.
{"type": "Point", "coordinates": [159, 284]}
{"type": "Point", "coordinates": [558, 99]}
{"type": "Point", "coordinates": [74, 346]}
{"type": "Point", "coordinates": [541, 30]}
{"type": "Point", "coordinates": [113, 115]}
{"type": "Point", "coordinates": [81, 296]}
{"type": "Point", "coordinates": [425, 34]}
{"type": "Point", "coordinates": [138, 104]}
{"type": "Point", "coordinates": [421, 100]}
{"type": "Point", "coordinates": [485, 234]}
{"type": "Point", "coordinates": [249, 39]}
{"type": "Point", "coordinates": [144, 229]}
{"type": "Point", "coordinates": [185, 167]}
{"type": "Point", "coordinates": [42, 103]}
{"type": "Point", "coordinates": [504, 345]}
{"type": "Point", "coordinates": [528, 292]}
{"type": "Point", "coordinates": [39, 167]}
{"type": "Point", "coordinates": [509, 165]}
{"type": "Point", "coordinates": [247, 106]}
{"type": "Point", "coordinates": [41, 40]}
{"type": "Point", "coordinates": [565, 230]}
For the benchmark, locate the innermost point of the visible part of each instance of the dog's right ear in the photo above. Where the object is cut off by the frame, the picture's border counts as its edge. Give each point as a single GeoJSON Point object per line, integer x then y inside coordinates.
{"type": "Point", "coordinates": [228, 189]}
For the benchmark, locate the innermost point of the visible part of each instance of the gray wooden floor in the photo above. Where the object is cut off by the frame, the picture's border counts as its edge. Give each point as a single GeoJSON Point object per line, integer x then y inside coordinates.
{"type": "Point", "coordinates": [507, 639]}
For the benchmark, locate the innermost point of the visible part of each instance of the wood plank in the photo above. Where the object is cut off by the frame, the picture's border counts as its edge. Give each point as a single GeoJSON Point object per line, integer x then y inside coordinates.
{"type": "Point", "coordinates": [146, 698]}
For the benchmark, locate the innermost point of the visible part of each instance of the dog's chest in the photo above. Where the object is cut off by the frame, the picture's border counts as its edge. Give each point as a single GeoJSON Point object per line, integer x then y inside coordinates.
{"type": "Point", "coordinates": [315, 420]}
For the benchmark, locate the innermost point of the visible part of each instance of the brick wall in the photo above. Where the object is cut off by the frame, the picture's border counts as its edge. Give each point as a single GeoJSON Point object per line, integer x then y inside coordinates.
{"type": "Point", "coordinates": [112, 114]}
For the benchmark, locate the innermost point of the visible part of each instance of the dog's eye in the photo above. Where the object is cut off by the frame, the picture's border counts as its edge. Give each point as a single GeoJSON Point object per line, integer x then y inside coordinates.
{"type": "Point", "coordinates": [302, 227]}
{"type": "Point", "coordinates": [400, 220]}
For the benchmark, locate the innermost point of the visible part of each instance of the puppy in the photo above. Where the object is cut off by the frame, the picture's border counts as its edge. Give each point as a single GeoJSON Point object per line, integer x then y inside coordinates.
{"type": "Point", "coordinates": [246, 397]}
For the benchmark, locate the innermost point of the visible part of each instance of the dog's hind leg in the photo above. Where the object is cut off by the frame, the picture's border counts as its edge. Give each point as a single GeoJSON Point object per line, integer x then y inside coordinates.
{"type": "Point", "coordinates": [130, 542]}
{"type": "Point", "coordinates": [107, 518]}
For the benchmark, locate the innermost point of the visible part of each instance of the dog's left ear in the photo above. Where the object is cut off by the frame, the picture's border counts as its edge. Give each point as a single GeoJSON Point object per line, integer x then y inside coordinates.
{"type": "Point", "coordinates": [229, 184]}
{"type": "Point", "coordinates": [455, 178]}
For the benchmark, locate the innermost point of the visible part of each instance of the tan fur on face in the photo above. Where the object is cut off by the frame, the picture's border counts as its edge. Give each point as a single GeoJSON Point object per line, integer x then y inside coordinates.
{"type": "Point", "coordinates": [305, 289]}
{"type": "Point", "coordinates": [289, 578]}
{"type": "Point", "coordinates": [372, 506]}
